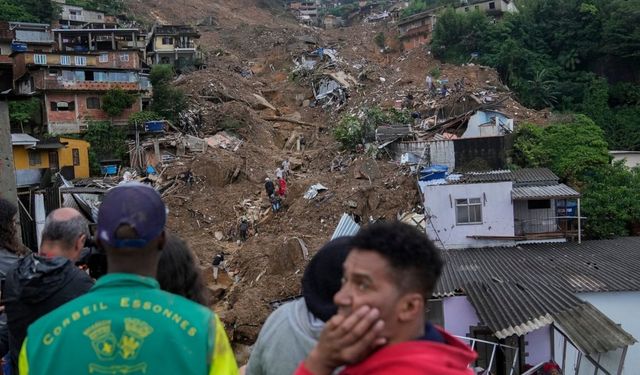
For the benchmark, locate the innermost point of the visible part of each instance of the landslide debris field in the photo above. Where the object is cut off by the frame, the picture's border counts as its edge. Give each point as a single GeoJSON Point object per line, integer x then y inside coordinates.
{"type": "Point", "coordinates": [255, 96]}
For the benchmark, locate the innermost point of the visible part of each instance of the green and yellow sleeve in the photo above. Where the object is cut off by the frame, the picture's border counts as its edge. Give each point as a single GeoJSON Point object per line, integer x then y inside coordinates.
{"type": "Point", "coordinates": [223, 362]}
{"type": "Point", "coordinates": [23, 362]}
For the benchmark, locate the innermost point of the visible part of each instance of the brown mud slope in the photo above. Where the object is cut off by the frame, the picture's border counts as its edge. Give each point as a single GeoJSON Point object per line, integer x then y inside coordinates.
{"type": "Point", "coordinates": [240, 36]}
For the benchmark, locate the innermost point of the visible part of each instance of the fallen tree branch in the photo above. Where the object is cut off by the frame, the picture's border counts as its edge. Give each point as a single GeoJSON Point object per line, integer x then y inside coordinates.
{"type": "Point", "coordinates": [284, 119]}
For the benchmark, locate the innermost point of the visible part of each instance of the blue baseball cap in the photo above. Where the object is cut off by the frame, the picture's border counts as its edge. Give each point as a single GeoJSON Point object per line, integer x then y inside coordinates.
{"type": "Point", "coordinates": [137, 205]}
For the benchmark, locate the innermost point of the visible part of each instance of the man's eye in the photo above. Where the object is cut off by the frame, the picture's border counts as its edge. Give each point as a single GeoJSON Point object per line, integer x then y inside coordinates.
{"type": "Point", "coordinates": [363, 286]}
{"type": "Point", "coordinates": [343, 280]}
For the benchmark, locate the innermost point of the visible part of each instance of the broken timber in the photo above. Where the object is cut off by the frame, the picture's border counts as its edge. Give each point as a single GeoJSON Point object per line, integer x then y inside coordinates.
{"type": "Point", "coordinates": [284, 119]}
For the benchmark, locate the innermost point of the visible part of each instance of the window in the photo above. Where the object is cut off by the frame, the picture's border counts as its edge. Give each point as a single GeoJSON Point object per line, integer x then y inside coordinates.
{"type": "Point", "coordinates": [39, 59]}
{"type": "Point", "coordinates": [492, 5]}
{"type": "Point", "coordinates": [54, 72]}
{"type": "Point", "coordinates": [539, 205]}
{"type": "Point", "coordinates": [435, 312]}
{"type": "Point", "coordinates": [93, 102]}
{"type": "Point", "coordinates": [63, 106]}
{"type": "Point", "coordinates": [466, 9]}
{"type": "Point", "coordinates": [65, 60]}
{"type": "Point", "coordinates": [167, 40]}
{"type": "Point", "coordinates": [34, 158]}
{"type": "Point", "coordinates": [124, 57]}
{"type": "Point", "coordinates": [477, 7]}
{"type": "Point", "coordinates": [75, 153]}
{"type": "Point", "coordinates": [81, 60]}
{"type": "Point", "coordinates": [103, 58]}
{"type": "Point", "coordinates": [469, 211]}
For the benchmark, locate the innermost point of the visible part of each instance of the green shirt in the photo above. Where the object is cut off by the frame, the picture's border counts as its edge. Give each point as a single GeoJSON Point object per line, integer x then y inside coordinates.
{"type": "Point", "coordinates": [127, 325]}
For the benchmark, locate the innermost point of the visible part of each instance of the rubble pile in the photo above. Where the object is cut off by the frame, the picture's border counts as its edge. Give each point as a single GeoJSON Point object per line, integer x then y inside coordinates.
{"type": "Point", "coordinates": [272, 90]}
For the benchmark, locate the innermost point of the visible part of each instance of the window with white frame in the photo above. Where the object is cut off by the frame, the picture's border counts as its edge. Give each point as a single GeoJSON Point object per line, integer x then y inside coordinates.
{"type": "Point", "coordinates": [103, 58]}
{"type": "Point", "coordinates": [65, 60]}
{"type": "Point", "coordinates": [39, 59]}
{"type": "Point", "coordinates": [469, 211]}
{"type": "Point", "coordinates": [124, 57]}
{"type": "Point", "coordinates": [81, 60]}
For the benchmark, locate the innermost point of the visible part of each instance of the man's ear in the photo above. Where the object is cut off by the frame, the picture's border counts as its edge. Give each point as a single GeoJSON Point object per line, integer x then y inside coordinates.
{"type": "Point", "coordinates": [80, 241]}
{"type": "Point", "coordinates": [411, 306]}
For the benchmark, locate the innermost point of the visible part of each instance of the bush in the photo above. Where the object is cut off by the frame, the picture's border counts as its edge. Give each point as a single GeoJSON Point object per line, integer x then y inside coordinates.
{"type": "Point", "coordinates": [143, 116]}
{"type": "Point", "coordinates": [349, 132]}
{"type": "Point", "coordinates": [107, 142]}
{"type": "Point", "coordinates": [168, 101]}
{"type": "Point", "coordinates": [116, 100]}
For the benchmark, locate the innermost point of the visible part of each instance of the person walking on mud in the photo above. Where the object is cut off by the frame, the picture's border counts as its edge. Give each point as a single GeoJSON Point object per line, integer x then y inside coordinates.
{"type": "Point", "coordinates": [269, 187]}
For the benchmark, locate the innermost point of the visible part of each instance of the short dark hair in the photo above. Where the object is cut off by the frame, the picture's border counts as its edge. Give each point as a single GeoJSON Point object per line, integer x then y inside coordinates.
{"type": "Point", "coordinates": [178, 272]}
{"type": "Point", "coordinates": [65, 231]}
{"type": "Point", "coordinates": [415, 260]}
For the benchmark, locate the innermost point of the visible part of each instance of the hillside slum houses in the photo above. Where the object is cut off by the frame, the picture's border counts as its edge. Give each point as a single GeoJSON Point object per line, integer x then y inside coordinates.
{"type": "Point", "coordinates": [68, 67]}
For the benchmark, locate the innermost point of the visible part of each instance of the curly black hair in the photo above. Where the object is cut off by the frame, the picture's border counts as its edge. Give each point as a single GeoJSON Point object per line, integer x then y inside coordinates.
{"type": "Point", "coordinates": [415, 260]}
{"type": "Point", "coordinates": [8, 239]}
{"type": "Point", "coordinates": [178, 272]}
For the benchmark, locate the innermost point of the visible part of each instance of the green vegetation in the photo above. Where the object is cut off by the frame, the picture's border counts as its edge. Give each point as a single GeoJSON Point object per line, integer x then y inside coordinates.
{"type": "Point", "coordinates": [24, 112]}
{"type": "Point", "coordinates": [168, 101]}
{"type": "Point", "coordinates": [418, 6]}
{"type": "Point", "coordinates": [116, 100]}
{"type": "Point", "coordinates": [566, 54]}
{"type": "Point", "coordinates": [577, 152]}
{"type": "Point", "coordinates": [353, 130]}
{"type": "Point", "coordinates": [107, 142]}
{"type": "Point", "coordinates": [28, 10]}
{"type": "Point", "coordinates": [379, 39]}
{"type": "Point", "coordinates": [143, 116]}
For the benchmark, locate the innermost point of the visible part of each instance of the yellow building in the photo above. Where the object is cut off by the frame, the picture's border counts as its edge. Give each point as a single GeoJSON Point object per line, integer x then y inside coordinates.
{"type": "Point", "coordinates": [32, 157]}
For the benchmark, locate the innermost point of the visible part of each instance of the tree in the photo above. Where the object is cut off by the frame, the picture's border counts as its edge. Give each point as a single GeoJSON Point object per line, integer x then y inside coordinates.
{"type": "Point", "coordinates": [610, 200]}
{"type": "Point", "coordinates": [107, 142]}
{"type": "Point", "coordinates": [43, 11]}
{"type": "Point", "coordinates": [168, 101]}
{"type": "Point", "coordinates": [24, 112]}
{"type": "Point", "coordinates": [11, 11]}
{"type": "Point", "coordinates": [116, 100]}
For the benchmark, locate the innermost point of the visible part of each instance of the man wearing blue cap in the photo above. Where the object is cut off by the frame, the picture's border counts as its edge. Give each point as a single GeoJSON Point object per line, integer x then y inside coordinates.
{"type": "Point", "coordinates": [126, 324]}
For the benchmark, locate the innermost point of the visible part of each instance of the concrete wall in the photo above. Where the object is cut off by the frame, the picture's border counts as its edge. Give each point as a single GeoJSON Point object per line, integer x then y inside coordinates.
{"type": "Point", "coordinates": [621, 308]}
{"type": "Point", "coordinates": [631, 158]}
{"type": "Point", "coordinates": [497, 214]}
{"type": "Point", "coordinates": [538, 346]}
{"type": "Point", "coordinates": [443, 153]}
{"type": "Point", "coordinates": [459, 315]}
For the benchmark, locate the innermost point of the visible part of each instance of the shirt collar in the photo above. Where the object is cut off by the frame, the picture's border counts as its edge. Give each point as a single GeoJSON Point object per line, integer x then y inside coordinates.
{"type": "Point", "coordinates": [126, 280]}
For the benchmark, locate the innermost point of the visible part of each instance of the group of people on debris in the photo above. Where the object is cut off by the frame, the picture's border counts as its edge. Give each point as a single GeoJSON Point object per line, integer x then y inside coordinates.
{"type": "Point", "coordinates": [277, 193]}
{"type": "Point", "coordinates": [362, 306]}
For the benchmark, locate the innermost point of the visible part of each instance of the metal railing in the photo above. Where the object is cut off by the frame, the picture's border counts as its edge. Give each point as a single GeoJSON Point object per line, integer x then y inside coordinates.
{"type": "Point", "coordinates": [495, 346]}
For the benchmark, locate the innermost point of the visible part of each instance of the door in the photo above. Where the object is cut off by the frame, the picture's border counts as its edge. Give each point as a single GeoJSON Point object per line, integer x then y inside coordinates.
{"type": "Point", "coordinates": [53, 160]}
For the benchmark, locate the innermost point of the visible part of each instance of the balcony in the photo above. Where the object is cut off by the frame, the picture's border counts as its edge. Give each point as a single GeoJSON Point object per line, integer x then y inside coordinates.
{"type": "Point", "coordinates": [89, 85]}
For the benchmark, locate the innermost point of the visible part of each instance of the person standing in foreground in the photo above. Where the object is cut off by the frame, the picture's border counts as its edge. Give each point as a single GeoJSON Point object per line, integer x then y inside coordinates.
{"type": "Point", "coordinates": [294, 327]}
{"type": "Point", "coordinates": [389, 275]}
{"type": "Point", "coordinates": [125, 323]}
{"type": "Point", "coordinates": [40, 283]}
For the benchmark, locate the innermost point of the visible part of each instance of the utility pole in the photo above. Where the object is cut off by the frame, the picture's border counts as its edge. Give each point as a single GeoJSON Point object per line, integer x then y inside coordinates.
{"type": "Point", "coordinates": [8, 188]}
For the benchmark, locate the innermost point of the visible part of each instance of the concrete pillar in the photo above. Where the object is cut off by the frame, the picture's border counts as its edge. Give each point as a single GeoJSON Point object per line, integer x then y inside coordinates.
{"type": "Point", "coordinates": [8, 188]}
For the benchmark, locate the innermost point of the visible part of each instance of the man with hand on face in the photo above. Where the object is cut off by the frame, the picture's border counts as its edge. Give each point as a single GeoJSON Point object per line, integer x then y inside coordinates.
{"type": "Point", "coordinates": [381, 327]}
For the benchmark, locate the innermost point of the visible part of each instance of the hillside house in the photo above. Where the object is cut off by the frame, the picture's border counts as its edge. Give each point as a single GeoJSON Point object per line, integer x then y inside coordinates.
{"type": "Point", "coordinates": [71, 85]}
{"type": "Point", "coordinates": [566, 302]}
{"type": "Point", "coordinates": [499, 208]}
{"type": "Point", "coordinates": [491, 7]}
{"type": "Point", "coordinates": [416, 30]}
{"type": "Point", "coordinates": [631, 158]}
{"type": "Point", "coordinates": [173, 44]}
{"type": "Point", "coordinates": [32, 157]}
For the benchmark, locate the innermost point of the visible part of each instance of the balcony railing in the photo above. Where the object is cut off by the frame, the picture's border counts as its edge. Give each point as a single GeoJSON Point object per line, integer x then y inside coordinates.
{"type": "Point", "coordinates": [89, 85]}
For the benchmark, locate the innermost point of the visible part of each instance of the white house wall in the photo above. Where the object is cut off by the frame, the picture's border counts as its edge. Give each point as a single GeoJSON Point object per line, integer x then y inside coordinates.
{"type": "Point", "coordinates": [621, 307]}
{"type": "Point", "coordinates": [485, 124]}
{"type": "Point", "coordinates": [497, 214]}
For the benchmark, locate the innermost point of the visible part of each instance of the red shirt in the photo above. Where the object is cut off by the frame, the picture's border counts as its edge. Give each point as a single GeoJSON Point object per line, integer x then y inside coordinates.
{"type": "Point", "coordinates": [414, 358]}
{"type": "Point", "coordinates": [282, 187]}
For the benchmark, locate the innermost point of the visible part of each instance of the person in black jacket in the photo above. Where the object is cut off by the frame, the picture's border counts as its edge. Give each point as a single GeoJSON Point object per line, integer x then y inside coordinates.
{"type": "Point", "coordinates": [269, 187]}
{"type": "Point", "coordinates": [38, 284]}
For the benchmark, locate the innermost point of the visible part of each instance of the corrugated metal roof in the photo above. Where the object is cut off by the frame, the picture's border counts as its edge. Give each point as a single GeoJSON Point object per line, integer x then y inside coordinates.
{"type": "Point", "coordinates": [534, 175]}
{"type": "Point", "coordinates": [543, 192]}
{"type": "Point", "coordinates": [391, 133]}
{"type": "Point", "coordinates": [346, 227]}
{"type": "Point", "coordinates": [490, 176]}
{"type": "Point", "coordinates": [517, 290]}
{"type": "Point", "coordinates": [22, 139]}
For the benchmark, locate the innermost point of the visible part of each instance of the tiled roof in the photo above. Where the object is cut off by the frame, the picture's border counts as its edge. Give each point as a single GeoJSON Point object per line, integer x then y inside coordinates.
{"type": "Point", "coordinates": [534, 175]}
{"type": "Point", "coordinates": [558, 191]}
{"type": "Point", "coordinates": [517, 290]}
